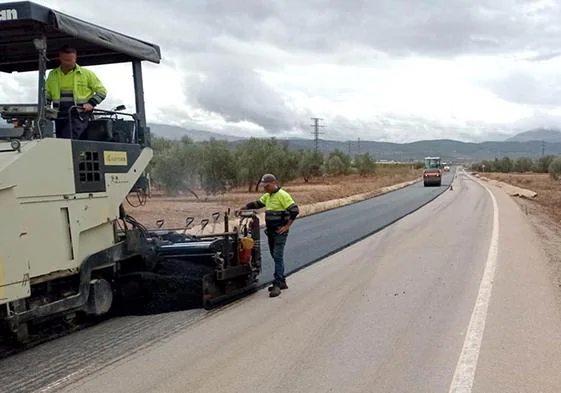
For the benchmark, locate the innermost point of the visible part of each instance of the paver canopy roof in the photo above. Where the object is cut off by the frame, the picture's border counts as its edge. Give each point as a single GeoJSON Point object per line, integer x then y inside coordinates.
{"type": "Point", "coordinates": [22, 22]}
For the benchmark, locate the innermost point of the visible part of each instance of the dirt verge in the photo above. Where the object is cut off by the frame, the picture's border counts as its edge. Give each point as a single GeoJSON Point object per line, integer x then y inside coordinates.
{"type": "Point", "coordinates": [510, 189]}
{"type": "Point", "coordinates": [540, 200]}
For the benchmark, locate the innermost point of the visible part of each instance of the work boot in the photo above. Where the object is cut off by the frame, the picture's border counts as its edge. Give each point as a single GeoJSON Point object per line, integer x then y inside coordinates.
{"type": "Point", "coordinates": [275, 291]}
{"type": "Point", "coordinates": [282, 285]}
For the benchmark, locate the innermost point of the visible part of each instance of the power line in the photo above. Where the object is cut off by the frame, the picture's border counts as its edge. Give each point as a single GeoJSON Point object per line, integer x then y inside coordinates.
{"type": "Point", "coordinates": [316, 131]}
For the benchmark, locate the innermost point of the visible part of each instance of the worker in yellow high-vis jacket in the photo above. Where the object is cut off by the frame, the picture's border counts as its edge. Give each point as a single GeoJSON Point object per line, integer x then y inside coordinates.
{"type": "Point", "coordinates": [71, 85]}
{"type": "Point", "coordinates": [280, 213]}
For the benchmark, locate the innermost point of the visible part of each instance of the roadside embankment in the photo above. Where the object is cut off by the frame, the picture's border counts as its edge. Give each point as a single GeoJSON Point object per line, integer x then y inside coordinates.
{"type": "Point", "coordinates": [510, 189]}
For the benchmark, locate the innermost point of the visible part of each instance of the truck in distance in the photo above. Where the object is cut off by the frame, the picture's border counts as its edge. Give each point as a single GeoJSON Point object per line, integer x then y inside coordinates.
{"type": "Point", "coordinates": [432, 173]}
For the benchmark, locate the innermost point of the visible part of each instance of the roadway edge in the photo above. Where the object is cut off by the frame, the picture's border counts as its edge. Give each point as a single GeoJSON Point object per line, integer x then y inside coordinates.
{"type": "Point", "coordinates": [307, 264]}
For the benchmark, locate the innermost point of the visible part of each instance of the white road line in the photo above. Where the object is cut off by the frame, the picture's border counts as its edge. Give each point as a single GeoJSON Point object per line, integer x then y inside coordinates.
{"type": "Point", "coordinates": [60, 382]}
{"type": "Point", "coordinates": [467, 363]}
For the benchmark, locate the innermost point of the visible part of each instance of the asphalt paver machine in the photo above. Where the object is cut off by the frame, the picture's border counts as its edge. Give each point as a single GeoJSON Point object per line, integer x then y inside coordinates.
{"type": "Point", "coordinates": [68, 247]}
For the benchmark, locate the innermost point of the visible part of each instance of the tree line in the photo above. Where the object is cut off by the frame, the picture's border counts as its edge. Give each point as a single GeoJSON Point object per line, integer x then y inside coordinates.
{"type": "Point", "coordinates": [546, 164]}
{"type": "Point", "coordinates": [216, 166]}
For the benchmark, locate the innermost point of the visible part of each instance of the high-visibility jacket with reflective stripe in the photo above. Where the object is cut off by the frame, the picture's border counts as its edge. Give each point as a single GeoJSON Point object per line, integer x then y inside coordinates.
{"type": "Point", "coordinates": [279, 206]}
{"type": "Point", "coordinates": [87, 87]}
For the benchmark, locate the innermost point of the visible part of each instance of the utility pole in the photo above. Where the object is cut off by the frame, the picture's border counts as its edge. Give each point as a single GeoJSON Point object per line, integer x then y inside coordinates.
{"type": "Point", "coordinates": [316, 131]}
{"type": "Point", "coordinates": [543, 148]}
{"type": "Point", "coordinates": [358, 147]}
{"type": "Point", "coordinates": [349, 147]}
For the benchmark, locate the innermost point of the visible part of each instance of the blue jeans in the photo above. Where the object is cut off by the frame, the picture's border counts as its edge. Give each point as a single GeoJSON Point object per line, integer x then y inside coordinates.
{"type": "Point", "coordinates": [276, 247]}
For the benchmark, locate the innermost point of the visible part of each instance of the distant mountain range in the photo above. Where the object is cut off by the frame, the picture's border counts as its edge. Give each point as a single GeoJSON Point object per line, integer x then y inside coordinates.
{"type": "Point", "coordinates": [531, 143]}
{"type": "Point", "coordinates": [541, 134]}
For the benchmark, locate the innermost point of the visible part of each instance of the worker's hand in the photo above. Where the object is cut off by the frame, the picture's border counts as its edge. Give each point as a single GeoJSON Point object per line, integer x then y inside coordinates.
{"type": "Point", "coordinates": [88, 107]}
{"type": "Point", "coordinates": [283, 229]}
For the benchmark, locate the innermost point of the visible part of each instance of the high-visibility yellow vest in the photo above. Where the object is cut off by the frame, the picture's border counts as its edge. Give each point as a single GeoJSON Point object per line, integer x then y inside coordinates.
{"type": "Point", "coordinates": [276, 206]}
{"type": "Point", "coordinates": [87, 88]}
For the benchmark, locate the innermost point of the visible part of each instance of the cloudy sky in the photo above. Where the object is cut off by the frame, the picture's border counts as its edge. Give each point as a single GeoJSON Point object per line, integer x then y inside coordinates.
{"type": "Point", "coordinates": [390, 70]}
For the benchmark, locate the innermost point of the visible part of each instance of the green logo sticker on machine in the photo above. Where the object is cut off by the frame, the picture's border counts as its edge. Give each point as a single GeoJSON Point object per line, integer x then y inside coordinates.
{"type": "Point", "coordinates": [115, 158]}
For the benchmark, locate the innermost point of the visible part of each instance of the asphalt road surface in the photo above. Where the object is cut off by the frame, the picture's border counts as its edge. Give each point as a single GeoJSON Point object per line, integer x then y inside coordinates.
{"type": "Point", "coordinates": [54, 364]}
{"type": "Point", "coordinates": [314, 237]}
{"type": "Point", "coordinates": [453, 298]}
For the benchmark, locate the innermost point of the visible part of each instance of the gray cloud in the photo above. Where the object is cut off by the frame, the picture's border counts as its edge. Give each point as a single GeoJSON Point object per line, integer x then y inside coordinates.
{"type": "Point", "coordinates": [544, 56]}
{"type": "Point", "coordinates": [435, 27]}
{"type": "Point", "coordinates": [529, 88]}
{"type": "Point", "coordinates": [220, 44]}
{"type": "Point", "coordinates": [397, 27]}
{"type": "Point", "coordinates": [238, 94]}
{"type": "Point", "coordinates": [539, 119]}
{"type": "Point", "coordinates": [319, 32]}
{"type": "Point", "coordinates": [23, 87]}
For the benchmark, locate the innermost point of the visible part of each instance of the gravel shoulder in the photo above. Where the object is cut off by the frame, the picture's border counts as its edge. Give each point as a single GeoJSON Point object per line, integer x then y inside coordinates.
{"type": "Point", "coordinates": [542, 211]}
{"type": "Point", "coordinates": [522, 340]}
